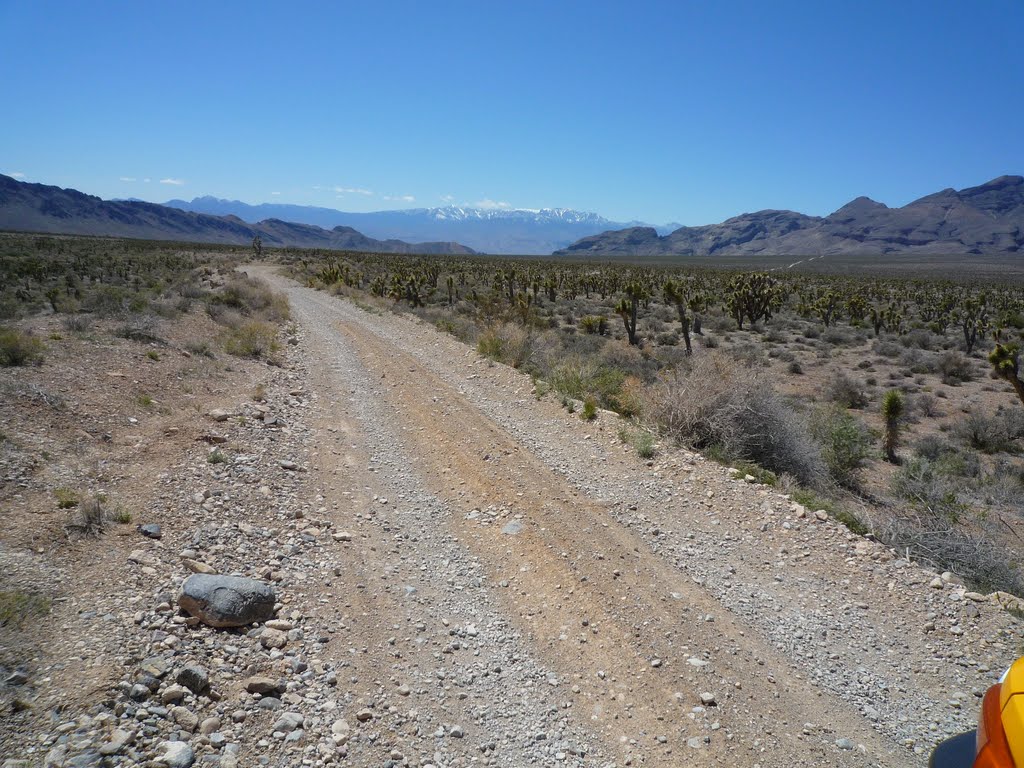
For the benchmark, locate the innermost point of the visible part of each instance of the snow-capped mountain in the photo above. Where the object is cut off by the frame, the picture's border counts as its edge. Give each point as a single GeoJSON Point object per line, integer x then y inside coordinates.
{"type": "Point", "coordinates": [489, 230]}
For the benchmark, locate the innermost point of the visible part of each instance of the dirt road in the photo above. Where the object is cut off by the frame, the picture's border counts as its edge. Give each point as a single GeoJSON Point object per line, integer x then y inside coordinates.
{"type": "Point", "coordinates": [537, 594]}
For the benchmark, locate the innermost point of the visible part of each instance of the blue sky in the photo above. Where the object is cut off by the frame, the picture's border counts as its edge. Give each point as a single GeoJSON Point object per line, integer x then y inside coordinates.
{"type": "Point", "coordinates": [674, 111]}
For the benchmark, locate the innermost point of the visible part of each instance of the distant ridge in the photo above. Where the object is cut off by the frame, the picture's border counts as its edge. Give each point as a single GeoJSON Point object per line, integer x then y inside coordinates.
{"type": "Point", "coordinates": [491, 230]}
{"type": "Point", "coordinates": [27, 207]}
{"type": "Point", "coordinates": [983, 220]}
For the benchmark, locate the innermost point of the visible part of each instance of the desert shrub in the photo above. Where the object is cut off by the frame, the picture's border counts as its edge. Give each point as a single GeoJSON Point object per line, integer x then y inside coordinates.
{"type": "Point", "coordinates": [191, 289]}
{"type": "Point", "coordinates": [10, 307]}
{"type": "Point", "coordinates": [643, 443]}
{"type": "Point", "coordinates": [253, 298]}
{"type": "Point", "coordinates": [846, 392]}
{"type": "Point", "coordinates": [756, 471]}
{"type": "Point", "coordinates": [718, 322]}
{"type": "Point", "coordinates": [927, 404]}
{"type": "Point", "coordinates": [77, 323]}
{"type": "Point", "coordinates": [19, 348]}
{"type": "Point", "coordinates": [716, 401]}
{"type": "Point", "coordinates": [506, 343]}
{"type": "Point", "coordinates": [627, 399]}
{"type": "Point", "coordinates": [66, 498]}
{"type": "Point", "coordinates": [91, 517]}
{"type": "Point", "coordinates": [915, 361]}
{"type": "Point", "coordinates": [629, 361]}
{"type": "Point", "coordinates": [954, 368]}
{"type": "Point", "coordinates": [977, 556]}
{"type": "Point", "coordinates": [836, 336]}
{"type": "Point", "coordinates": [931, 447]}
{"type": "Point", "coordinates": [107, 300]}
{"type": "Point", "coordinates": [462, 328]}
{"type": "Point", "coordinates": [253, 338]}
{"type": "Point", "coordinates": [748, 353]}
{"type": "Point", "coordinates": [794, 367]}
{"type": "Point", "coordinates": [140, 328]}
{"type": "Point", "coordinates": [571, 377]}
{"type": "Point", "coordinates": [920, 338]}
{"type": "Point", "coordinates": [199, 347]}
{"type": "Point", "coordinates": [887, 348]}
{"type": "Point", "coordinates": [985, 433]}
{"type": "Point", "coordinates": [589, 412]}
{"type": "Point", "coordinates": [846, 443]}
{"type": "Point", "coordinates": [933, 493]}
{"type": "Point", "coordinates": [959, 464]}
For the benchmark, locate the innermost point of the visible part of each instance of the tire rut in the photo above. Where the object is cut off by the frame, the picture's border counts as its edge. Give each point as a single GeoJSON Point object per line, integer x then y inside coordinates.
{"type": "Point", "coordinates": [638, 639]}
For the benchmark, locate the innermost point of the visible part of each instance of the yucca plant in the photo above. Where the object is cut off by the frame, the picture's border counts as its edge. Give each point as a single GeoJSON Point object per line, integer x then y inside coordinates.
{"type": "Point", "coordinates": [892, 412]}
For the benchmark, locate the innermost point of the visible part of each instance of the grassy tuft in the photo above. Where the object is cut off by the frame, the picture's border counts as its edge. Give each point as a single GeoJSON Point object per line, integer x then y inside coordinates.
{"type": "Point", "coordinates": [18, 607]}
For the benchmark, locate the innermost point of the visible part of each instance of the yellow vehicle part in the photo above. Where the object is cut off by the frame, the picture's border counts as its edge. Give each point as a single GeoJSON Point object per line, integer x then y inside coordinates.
{"type": "Point", "coordinates": [1011, 704]}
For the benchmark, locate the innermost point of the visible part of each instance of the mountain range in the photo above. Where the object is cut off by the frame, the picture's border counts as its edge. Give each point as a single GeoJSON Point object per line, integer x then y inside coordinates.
{"type": "Point", "coordinates": [985, 220]}
{"type": "Point", "coordinates": [489, 230]}
{"type": "Point", "coordinates": [27, 207]}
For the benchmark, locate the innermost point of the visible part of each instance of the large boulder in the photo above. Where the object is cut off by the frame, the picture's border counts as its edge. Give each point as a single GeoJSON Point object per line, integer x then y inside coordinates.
{"type": "Point", "coordinates": [227, 601]}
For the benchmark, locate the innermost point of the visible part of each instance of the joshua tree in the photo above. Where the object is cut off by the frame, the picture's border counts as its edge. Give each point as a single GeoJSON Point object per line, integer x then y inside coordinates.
{"type": "Point", "coordinates": [1006, 364]}
{"type": "Point", "coordinates": [676, 295]}
{"type": "Point", "coordinates": [972, 316]}
{"type": "Point", "coordinates": [627, 308]}
{"type": "Point", "coordinates": [892, 410]}
{"type": "Point", "coordinates": [754, 296]}
{"type": "Point", "coordinates": [257, 246]}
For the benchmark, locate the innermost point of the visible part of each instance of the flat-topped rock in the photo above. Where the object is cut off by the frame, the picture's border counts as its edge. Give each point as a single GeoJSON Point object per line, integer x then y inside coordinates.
{"type": "Point", "coordinates": [227, 601]}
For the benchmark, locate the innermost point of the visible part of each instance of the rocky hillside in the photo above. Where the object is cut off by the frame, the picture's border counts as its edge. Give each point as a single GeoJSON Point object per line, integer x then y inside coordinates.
{"type": "Point", "coordinates": [988, 219]}
{"type": "Point", "coordinates": [28, 207]}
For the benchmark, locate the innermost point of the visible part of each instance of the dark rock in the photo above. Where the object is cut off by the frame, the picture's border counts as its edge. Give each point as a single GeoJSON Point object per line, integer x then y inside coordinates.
{"type": "Point", "coordinates": [151, 531]}
{"type": "Point", "coordinates": [263, 685]}
{"type": "Point", "coordinates": [148, 680]}
{"type": "Point", "coordinates": [227, 601]}
{"type": "Point", "coordinates": [139, 692]}
{"type": "Point", "coordinates": [195, 678]}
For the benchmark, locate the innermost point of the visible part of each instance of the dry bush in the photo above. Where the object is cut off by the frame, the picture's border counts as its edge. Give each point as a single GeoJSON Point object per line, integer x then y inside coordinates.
{"type": "Point", "coordinates": [954, 368]}
{"type": "Point", "coordinates": [506, 343]}
{"type": "Point", "coordinates": [19, 348]}
{"type": "Point", "coordinates": [252, 339]}
{"type": "Point", "coordinates": [927, 404]}
{"type": "Point", "coordinates": [253, 298]}
{"type": "Point", "coordinates": [977, 557]}
{"type": "Point", "coordinates": [77, 323]}
{"type": "Point", "coordinates": [718, 402]}
{"type": "Point", "coordinates": [846, 392]}
{"type": "Point", "coordinates": [991, 434]}
{"type": "Point", "coordinates": [90, 519]}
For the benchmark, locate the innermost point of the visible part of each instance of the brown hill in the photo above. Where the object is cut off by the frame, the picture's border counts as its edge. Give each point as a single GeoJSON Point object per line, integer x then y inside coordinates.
{"type": "Point", "coordinates": [984, 220]}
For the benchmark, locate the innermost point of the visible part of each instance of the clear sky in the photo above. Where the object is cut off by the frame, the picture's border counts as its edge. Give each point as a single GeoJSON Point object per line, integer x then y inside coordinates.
{"type": "Point", "coordinates": [656, 111]}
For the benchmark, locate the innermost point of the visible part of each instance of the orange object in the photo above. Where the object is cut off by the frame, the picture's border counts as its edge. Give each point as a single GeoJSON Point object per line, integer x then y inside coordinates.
{"type": "Point", "coordinates": [993, 748]}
